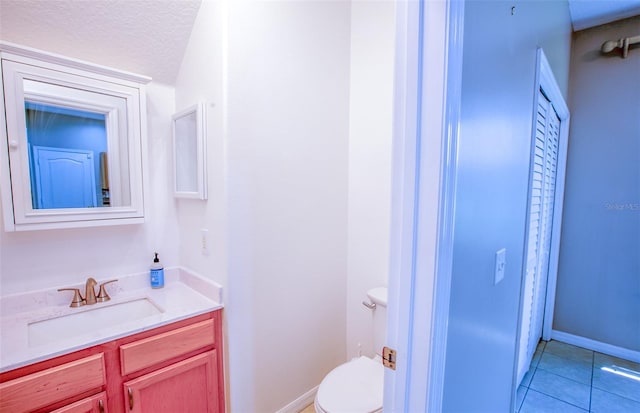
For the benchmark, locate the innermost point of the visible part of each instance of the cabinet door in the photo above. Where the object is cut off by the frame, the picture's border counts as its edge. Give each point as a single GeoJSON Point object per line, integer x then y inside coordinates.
{"type": "Point", "coordinates": [188, 386]}
{"type": "Point", "coordinates": [93, 404]}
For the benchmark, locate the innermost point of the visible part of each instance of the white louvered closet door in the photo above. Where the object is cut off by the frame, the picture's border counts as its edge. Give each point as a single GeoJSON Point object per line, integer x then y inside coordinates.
{"type": "Point", "coordinates": [541, 204]}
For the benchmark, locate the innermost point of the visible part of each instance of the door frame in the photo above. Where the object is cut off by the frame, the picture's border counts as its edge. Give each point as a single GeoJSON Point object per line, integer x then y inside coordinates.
{"type": "Point", "coordinates": [425, 135]}
{"type": "Point", "coordinates": [546, 81]}
{"type": "Point", "coordinates": [419, 289]}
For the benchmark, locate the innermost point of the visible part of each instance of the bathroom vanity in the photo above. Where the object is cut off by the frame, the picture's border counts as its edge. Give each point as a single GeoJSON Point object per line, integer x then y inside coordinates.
{"type": "Point", "coordinates": [165, 361]}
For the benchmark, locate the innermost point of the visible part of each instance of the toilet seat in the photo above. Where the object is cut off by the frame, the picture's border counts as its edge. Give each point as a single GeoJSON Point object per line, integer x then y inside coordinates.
{"type": "Point", "coordinates": [353, 387]}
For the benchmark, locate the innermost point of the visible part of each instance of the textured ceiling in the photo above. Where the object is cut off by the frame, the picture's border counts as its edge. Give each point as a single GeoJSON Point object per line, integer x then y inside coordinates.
{"type": "Point", "coordinates": [147, 37]}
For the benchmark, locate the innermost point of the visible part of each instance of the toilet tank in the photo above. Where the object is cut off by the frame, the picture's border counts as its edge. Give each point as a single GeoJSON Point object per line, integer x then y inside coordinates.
{"type": "Point", "coordinates": [378, 296]}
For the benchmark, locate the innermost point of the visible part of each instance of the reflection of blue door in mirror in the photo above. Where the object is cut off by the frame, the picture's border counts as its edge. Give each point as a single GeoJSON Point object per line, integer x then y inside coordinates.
{"type": "Point", "coordinates": [64, 178]}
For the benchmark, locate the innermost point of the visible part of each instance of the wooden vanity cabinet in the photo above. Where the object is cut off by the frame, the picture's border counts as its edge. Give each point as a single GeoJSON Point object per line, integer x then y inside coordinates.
{"type": "Point", "coordinates": [169, 369]}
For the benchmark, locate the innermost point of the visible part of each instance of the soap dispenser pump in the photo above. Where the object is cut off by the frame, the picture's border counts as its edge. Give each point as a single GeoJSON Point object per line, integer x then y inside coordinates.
{"type": "Point", "coordinates": [157, 273]}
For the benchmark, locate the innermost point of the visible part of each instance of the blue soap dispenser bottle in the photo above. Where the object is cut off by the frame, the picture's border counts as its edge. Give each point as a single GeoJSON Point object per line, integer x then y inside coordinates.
{"type": "Point", "coordinates": [157, 273]}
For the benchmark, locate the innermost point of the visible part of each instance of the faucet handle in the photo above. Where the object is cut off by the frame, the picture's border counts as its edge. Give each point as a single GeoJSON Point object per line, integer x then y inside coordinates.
{"type": "Point", "coordinates": [77, 300]}
{"type": "Point", "coordinates": [102, 294]}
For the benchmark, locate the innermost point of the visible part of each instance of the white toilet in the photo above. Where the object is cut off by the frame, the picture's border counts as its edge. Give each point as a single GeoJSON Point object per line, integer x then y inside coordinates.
{"type": "Point", "coordinates": [357, 386]}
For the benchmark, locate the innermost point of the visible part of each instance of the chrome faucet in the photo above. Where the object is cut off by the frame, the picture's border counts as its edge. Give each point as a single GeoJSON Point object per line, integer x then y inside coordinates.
{"type": "Point", "coordinates": [90, 292]}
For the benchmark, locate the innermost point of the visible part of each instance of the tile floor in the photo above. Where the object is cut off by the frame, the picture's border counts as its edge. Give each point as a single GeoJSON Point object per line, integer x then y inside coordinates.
{"type": "Point", "coordinates": [565, 378]}
{"type": "Point", "coordinates": [308, 409]}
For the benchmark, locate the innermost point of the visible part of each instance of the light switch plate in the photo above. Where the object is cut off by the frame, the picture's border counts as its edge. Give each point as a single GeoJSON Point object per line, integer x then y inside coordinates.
{"type": "Point", "coordinates": [204, 240]}
{"type": "Point", "coordinates": [501, 263]}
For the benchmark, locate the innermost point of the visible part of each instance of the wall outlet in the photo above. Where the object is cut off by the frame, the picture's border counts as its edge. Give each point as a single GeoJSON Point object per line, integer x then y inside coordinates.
{"type": "Point", "coordinates": [204, 241]}
{"type": "Point", "coordinates": [501, 264]}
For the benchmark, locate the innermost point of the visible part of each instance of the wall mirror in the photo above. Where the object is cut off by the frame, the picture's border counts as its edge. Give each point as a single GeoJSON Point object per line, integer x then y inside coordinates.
{"type": "Point", "coordinates": [189, 153]}
{"type": "Point", "coordinates": [73, 143]}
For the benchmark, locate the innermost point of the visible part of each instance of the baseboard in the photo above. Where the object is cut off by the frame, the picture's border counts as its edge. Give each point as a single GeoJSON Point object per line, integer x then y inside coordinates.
{"type": "Point", "coordinates": [598, 346]}
{"type": "Point", "coordinates": [301, 402]}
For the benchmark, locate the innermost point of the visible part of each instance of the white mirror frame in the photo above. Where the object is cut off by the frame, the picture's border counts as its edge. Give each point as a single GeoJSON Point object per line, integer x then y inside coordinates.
{"type": "Point", "coordinates": [15, 193]}
{"type": "Point", "coordinates": [190, 148]}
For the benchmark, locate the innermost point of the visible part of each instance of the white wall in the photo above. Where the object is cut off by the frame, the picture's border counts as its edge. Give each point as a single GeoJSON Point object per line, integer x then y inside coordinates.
{"type": "Point", "coordinates": [287, 152]}
{"type": "Point", "coordinates": [598, 287]}
{"type": "Point", "coordinates": [370, 122]}
{"type": "Point", "coordinates": [491, 196]}
{"type": "Point", "coordinates": [200, 78]}
{"type": "Point", "coordinates": [54, 258]}
{"type": "Point", "coordinates": [277, 211]}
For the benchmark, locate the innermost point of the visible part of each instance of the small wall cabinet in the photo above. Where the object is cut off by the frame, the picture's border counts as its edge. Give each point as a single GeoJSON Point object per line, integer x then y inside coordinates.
{"type": "Point", "coordinates": [190, 152]}
{"type": "Point", "coordinates": [174, 368]}
{"type": "Point", "coordinates": [72, 143]}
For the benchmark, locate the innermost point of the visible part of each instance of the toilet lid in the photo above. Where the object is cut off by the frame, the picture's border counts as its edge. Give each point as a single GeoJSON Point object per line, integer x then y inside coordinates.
{"type": "Point", "coordinates": [354, 387]}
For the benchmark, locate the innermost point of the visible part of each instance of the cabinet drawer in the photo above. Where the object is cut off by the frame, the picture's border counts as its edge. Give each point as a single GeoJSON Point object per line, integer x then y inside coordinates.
{"type": "Point", "coordinates": [52, 385]}
{"type": "Point", "coordinates": [153, 350]}
{"type": "Point", "coordinates": [93, 404]}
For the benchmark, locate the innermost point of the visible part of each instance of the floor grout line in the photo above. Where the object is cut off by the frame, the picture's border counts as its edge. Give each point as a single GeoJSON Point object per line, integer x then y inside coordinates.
{"type": "Point", "coordinates": [569, 361]}
{"type": "Point", "coordinates": [563, 368]}
{"type": "Point", "coordinates": [593, 367]}
{"type": "Point", "coordinates": [563, 401]}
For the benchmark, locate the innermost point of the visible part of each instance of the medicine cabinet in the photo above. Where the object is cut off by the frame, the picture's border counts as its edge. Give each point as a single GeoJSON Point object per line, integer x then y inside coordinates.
{"type": "Point", "coordinates": [189, 153]}
{"type": "Point", "coordinates": [72, 147]}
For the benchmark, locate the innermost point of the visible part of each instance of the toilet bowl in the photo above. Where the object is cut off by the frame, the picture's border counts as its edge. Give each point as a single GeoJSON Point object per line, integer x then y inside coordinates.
{"type": "Point", "coordinates": [353, 387]}
{"type": "Point", "coordinates": [357, 386]}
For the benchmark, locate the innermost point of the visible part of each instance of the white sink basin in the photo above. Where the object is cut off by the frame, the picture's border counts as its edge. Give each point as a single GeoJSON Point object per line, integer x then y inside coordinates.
{"type": "Point", "coordinates": [89, 319]}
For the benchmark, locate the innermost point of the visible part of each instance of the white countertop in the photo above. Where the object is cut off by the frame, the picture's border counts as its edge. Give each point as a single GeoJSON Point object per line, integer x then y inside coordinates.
{"type": "Point", "coordinates": [184, 295]}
